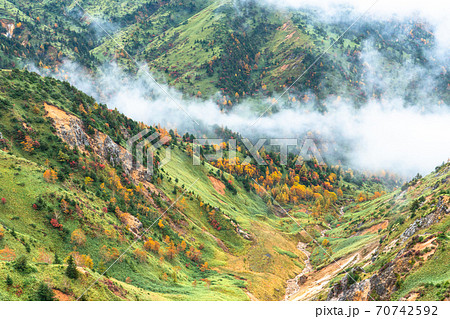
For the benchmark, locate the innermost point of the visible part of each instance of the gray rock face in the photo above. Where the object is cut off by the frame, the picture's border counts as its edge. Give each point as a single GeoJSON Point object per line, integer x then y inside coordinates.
{"type": "Point", "coordinates": [239, 230]}
{"type": "Point", "coordinates": [383, 283]}
{"type": "Point", "coordinates": [424, 222]}
{"type": "Point", "coordinates": [111, 151]}
{"type": "Point", "coordinates": [347, 289]}
{"type": "Point", "coordinates": [75, 135]}
{"type": "Point", "coordinates": [135, 225]}
{"type": "Point", "coordinates": [302, 279]}
{"type": "Point", "coordinates": [380, 285]}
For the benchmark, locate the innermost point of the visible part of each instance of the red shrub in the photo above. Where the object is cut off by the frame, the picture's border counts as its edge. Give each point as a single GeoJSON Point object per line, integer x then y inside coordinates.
{"type": "Point", "coordinates": [55, 224]}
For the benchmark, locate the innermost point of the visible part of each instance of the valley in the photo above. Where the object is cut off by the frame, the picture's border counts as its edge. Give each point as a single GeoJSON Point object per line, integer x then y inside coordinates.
{"type": "Point", "coordinates": [82, 217]}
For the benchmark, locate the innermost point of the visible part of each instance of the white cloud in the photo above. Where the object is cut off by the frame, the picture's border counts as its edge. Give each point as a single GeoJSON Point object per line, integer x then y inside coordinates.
{"type": "Point", "coordinates": [380, 135]}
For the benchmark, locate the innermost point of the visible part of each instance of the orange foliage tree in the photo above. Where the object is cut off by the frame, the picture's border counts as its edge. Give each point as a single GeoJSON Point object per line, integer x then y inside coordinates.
{"type": "Point", "coordinates": [108, 254]}
{"type": "Point", "coordinates": [152, 245]}
{"type": "Point", "coordinates": [140, 255]}
{"type": "Point", "coordinates": [50, 175]}
{"type": "Point", "coordinates": [7, 254]}
{"type": "Point", "coordinates": [171, 250]}
{"type": "Point", "coordinates": [194, 254]}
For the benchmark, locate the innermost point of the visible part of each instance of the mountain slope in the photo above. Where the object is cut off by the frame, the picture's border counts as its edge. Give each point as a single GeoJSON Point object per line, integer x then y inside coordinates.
{"type": "Point", "coordinates": [394, 247]}
{"type": "Point", "coordinates": [67, 191]}
{"type": "Point", "coordinates": [225, 50]}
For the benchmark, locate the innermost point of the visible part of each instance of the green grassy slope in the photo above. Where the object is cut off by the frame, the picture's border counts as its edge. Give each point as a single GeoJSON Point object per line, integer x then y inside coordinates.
{"type": "Point", "coordinates": [409, 229]}
{"type": "Point", "coordinates": [85, 196]}
{"type": "Point", "coordinates": [237, 49]}
{"type": "Point", "coordinates": [202, 255]}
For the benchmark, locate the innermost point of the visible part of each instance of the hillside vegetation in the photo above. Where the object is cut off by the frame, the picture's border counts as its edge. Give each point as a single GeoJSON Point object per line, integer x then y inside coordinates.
{"type": "Point", "coordinates": [208, 232]}
{"type": "Point", "coordinates": [82, 219]}
{"type": "Point", "coordinates": [225, 50]}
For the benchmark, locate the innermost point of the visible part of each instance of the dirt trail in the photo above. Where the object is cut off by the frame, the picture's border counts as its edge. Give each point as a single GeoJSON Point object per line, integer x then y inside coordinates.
{"type": "Point", "coordinates": [293, 284]}
{"type": "Point", "coordinates": [251, 296]}
{"type": "Point", "coordinates": [316, 282]}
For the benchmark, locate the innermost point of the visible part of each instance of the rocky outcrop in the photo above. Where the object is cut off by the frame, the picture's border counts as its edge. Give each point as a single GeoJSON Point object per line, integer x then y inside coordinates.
{"type": "Point", "coordinates": [378, 287]}
{"type": "Point", "coordinates": [132, 223]}
{"type": "Point", "coordinates": [71, 130]}
{"type": "Point", "coordinates": [382, 284]}
{"type": "Point", "coordinates": [74, 134]}
{"type": "Point", "coordinates": [239, 230]}
{"type": "Point", "coordinates": [109, 149]}
{"type": "Point", "coordinates": [424, 222]}
{"type": "Point", "coordinates": [8, 25]}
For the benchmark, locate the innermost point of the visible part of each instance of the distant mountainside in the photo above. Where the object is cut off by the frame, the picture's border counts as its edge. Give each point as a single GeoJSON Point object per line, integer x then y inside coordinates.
{"type": "Point", "coordinates": [211, 232]}
{"type": "Point", "coordinates": [227, 50]}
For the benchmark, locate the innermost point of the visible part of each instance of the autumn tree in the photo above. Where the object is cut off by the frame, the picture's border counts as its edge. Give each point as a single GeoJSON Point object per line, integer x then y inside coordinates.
{"type": "Point", "coordinates": [204, 266]}
{"type": "Point", "coordinates": [181, 204]}
{"type": "Point", "coordinates": [78, 237]}
{"type": "Point", "coordinates": [50, 175]}
{"type": "Point", "coordinates": [83, 260]}
{"type": "Point", "coordinates": [194, 254]}
{"type": "Point", "coordinates": [171, 250]}
{"type": "Point", "coordinates": [64, 206]}
{"type": "Point", "coordinates": [140, 255]}
{"type": "Point", "coordinates": [182, 246]}
{"type": "Point", "coordinates": [88, 181]}
{"type": "Point", "coordinates": [152, 245]}
{"type": "Point", "coordinates": [28, 144]}
{"type": "Point", "coordinates": [44, 257]}
{"type": "Point", "coordinates": [7, 254]}
{"type": "Point", "coordinates": [108, 254]}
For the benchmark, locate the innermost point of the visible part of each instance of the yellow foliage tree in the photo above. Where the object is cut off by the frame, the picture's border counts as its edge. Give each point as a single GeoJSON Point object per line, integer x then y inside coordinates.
{"type": "Point", "coordinates": [28, 144]}
{"type": "Point", "coordinates": [78, 237]}
{"type": "Point", "coordinates": [204, 266]}
{"type": "Point", "coordinates": [88, 180]}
